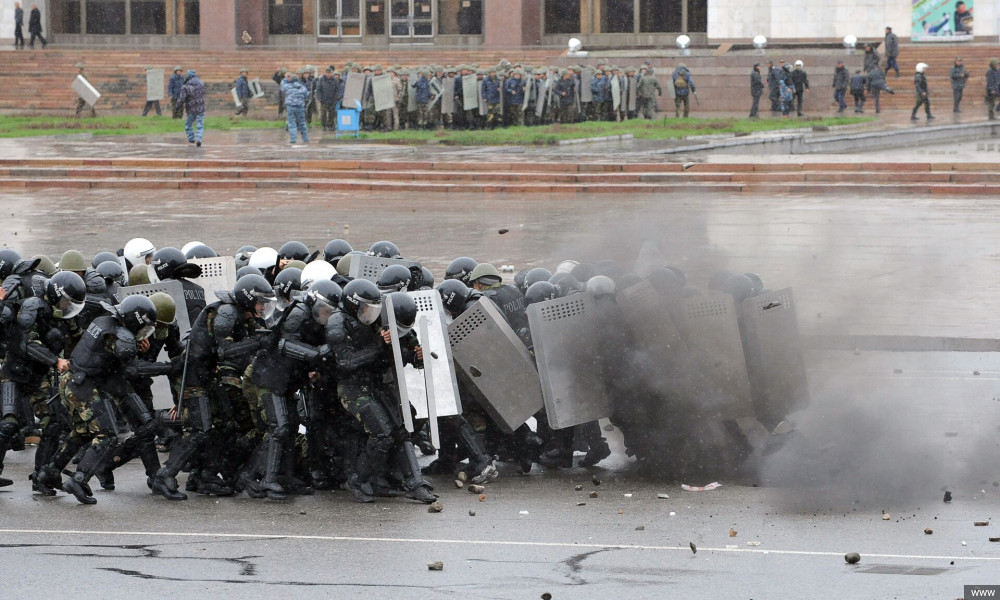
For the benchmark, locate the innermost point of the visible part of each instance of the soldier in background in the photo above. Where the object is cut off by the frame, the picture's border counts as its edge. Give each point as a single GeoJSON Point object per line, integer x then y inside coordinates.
{"type": "Point", "coordinates": [151, 103]}
{"type": "Point", "coordinates": [920, 89]}
{"type": "Point", "coordinates": [648, 89]}
{"type": "Point", "coordinates": [174, 91]}
{"type": "Point", "coordinates": [756, 89]}
{"type": "Point", "coordinates": [959, 76]}
{"type": "Point", "coordinates": [242, 92]}
{"type": "Point", "coordinates": [992, 88]}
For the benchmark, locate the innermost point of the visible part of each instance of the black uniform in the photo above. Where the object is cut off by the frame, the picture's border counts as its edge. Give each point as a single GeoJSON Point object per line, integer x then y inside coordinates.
{"type": "Point", "coordinates": [97, 381]}
{"type": "Point", "coordinates": [363, 362]}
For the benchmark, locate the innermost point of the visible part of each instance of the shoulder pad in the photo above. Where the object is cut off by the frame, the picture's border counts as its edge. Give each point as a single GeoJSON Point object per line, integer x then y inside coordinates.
{"type": "Point", "coordinates": [226, 318]}
{"type": "Point", "coordinates": [226, 296]}
{"type": "Point", "coordinates": [336, 330]}
{"type": "Point", "coordinates": [298, 315]}
{"type": "Point", "coordinates": [26, 264]}
{"type": "Point", "coordinates": [126, 348]}
{"type": "Point", "coordinates": [95, 283]}
{"type": "Point", "coordinates": [30, 310]}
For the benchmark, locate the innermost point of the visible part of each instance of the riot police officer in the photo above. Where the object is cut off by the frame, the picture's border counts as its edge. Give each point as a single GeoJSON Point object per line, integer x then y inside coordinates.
{"type": "Point", "coordinates": [362, 358]}
{"type": "Point", "coordinates": [97, 380]}
{"type": "Point", "coordinates": [35, 341]}
{"type": "Point", "coordinates": [170, 263]}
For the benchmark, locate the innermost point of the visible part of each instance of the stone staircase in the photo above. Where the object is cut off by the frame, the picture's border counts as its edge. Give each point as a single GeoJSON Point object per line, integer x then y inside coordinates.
{"type": "Point", "coordinates": [498, 177]}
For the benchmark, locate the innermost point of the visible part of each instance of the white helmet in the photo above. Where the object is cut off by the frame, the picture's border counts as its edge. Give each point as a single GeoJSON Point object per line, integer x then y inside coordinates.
{"type": "Point", "coordinates": [799, 63]}
{"type": "Point", "coordinates": [264, 258]}
{"type": "Point", "coordinates": [317, 270]}
{"type": "Point", "coordinates": [566, 266]}
{"type": "Point", "coordinates": [921, 67]}
{"type": "Point", "coordinates": [137, 249]}
{"type": "Point", "coordinates": [190, 245]}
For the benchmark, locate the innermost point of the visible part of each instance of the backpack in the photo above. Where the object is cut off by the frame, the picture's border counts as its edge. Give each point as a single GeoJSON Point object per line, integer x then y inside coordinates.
{"type": "Point", "coordinates": [680, 83]}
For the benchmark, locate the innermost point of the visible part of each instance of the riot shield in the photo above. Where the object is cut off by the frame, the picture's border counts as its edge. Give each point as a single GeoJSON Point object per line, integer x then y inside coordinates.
{"type": "Point", "coordinates": [438, 364]}
{"type": "Point", "coordinates": [774, 356]}
{"type": "Point", "coordinates": [616, 93]}
{"type": "Point", "coordinates": [256, 90]}
{"type": "Point", "coordinates": [236, 98]}
{"type": "Point", "coordinates": [154, 84]}
{"type": "Point", "coordinates": [714, 367]}
{"type": "Point", "coordinates": [470, 92]}
{"type": "Point", "coordinates": [411, 96]}
{"type": "Point", "coordinates": [448, 96]}
{"type": "Point", "coordinates": [586, 77]}
{"type": "Point", "coordinates": [353, 88]}
{"type": "Point", "coordinates": [567, 357]}
{"type": "Point", "coordinates": [217, 274]}
{"type": "Point", "coordinates": [630, 94]}
{"type": "Point", "coordinates": [495, 366]}
{"type": "Point", "coordinates": [162, 395]}
{"type": "Point", "coordinates": [385, 96]}
{"type": "Point", "coordinates": [389, 321]}
{"type": "Point", "coordinates": [172, 288]}
{"type": "Point", "coordinates": [370, 267]}
{"type": "Point", "coordinates": [86, 91]}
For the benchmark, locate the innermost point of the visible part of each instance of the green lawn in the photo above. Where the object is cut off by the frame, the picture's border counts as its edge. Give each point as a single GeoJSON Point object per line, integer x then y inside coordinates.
{"type": "Point", "coordinates": [29, 126]}
{"type": "Point", "coordinates": [659, 129]}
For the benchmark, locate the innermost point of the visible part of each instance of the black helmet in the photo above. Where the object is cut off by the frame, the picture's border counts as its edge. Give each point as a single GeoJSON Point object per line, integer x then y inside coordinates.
{"type": "Point", "coordinates": [519, 280]}
{"type": "Point", "coordinates": [200, 251]}
{"type": "Point", "coordinates": [138, 314]}
{"type": "Point", "coordinates": [666, 281]}
{"type": "Point", "coordinates": [251, 290]}
{"type": "Point", "coordinates": [170, 263]}
{"type": "Point", "coordinates": [680, 275]}
{"type": "Point", "coordinates": [362, 300]}
{"type": "Point", "coordinates": [112, 272]}
{"type": "Point", "coordinates": [66, 292]}
{"type": "Point", "coordinates": [293, 251]}
{"type": "Point", "coordinates": [384, 249]}
{"type": "Point", "coordinates": [242, 255]}
{"type": "Point", "coordinates": [394, 278]}
{"type": "Point", "coordinates": [740, 286]}
{"type": "Point", "coordinates": [247, 270]}
{"type": "Point", "coordinates": [758, 283]}
{"type": "Point", "coordinates": [717, 282]}
{"type": "Point", "coordinates": [460, 268]}
{"type": "Point", "coordinates": [8, 258]}
{"type": "Point", "coordinates": [565, 284]}
{"type": "Point", "coordinates": [335, 250]}
{"type": "Point", "coordinates": [405, 310]}
{"type": "Point", "coordinates": [286, 283]}
{"type": "Point", "coordinates": [426, 279]}
{"type": "Point", "coordinates": [584, 271]}
{"type": "Point", "coordinates": [101, 257]}
{"type": "Point", "coordinates": [535, 275]}
{"type": "Point", "coordinates": [540, 291]}
{"type": "Point", "coordinates": [323, 296]}
{"type": "Point", "coordinates": [454, 294]}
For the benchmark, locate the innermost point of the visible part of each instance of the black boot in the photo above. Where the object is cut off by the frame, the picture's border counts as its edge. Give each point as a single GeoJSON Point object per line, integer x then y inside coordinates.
{"type": "Point", "coordinates": [270, 485]}
{"type": "Point", "coordinates": [416, 487]}
{"type": "Point", "coordinates": [77, 485]}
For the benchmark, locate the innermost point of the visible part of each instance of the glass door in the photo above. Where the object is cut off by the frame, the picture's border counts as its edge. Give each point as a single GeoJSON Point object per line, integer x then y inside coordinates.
{"type": "Point", "coordinates": [411, 18]}
{"type": "Point", "coordinates": [338, 19]}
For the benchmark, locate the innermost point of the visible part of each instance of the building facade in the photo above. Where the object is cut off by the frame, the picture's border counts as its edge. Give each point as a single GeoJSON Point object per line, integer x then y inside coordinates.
{"type": "Point", "coordinates": [219, 24]}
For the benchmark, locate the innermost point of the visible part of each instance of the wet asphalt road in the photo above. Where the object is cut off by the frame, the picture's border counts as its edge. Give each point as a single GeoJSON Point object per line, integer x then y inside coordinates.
{"type": "Point", "coordinates": [886, 431]}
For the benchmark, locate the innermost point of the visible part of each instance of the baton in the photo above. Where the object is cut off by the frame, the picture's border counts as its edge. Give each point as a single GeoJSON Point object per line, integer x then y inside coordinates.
{"type": "Point", "coordinates": [696, 100]}
{"type": "Point", "coordinates": [184, 372]}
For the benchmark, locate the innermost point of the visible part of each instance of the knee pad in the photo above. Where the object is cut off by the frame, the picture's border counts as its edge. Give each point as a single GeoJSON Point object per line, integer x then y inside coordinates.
{"type": "Point", "coordinates": [282, 433]}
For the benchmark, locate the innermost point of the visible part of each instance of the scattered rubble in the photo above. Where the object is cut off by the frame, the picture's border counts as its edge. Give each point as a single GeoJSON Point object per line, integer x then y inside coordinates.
{"type": "Point", "coordinates": [435, 507]}
{"type": "Point", "coordinates": [852, 558]}
{"type": "Point", "coordinates": [435, 566]}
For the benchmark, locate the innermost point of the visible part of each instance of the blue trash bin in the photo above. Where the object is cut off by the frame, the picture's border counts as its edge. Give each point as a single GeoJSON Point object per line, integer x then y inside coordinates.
{"type": "Point", "coordinates": [349, 119]}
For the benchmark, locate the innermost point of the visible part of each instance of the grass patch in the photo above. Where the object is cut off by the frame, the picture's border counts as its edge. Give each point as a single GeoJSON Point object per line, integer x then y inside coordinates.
{"type": "Point", "coordinates": [657, 129]}
{"type": "Point", "coordinates": [31, 126]}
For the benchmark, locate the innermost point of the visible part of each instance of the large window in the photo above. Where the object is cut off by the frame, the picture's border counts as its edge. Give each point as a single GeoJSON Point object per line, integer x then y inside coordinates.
{"type": "Point", "coordinates": [285, 16]}
{"type": "Point", "coordinates": [462, 17]}
{"type": "Point", "coordinates": [148, 17]}
{"type": "Point", "coordinates": [192, 17]}
{"type": "Point", "coordinates": [374, 18]}
{"type": "Point", "coordinates": [660, 16]}
{"type": "Point", "coordinates": [562, 16]}
{"type": "Point", "coordinates": [617, 16]}
{"type": "Point", "coordinates": [66, 16]}
{"type": "Point", "coordinates": [697, 16]}
{"type": "Point", "coordinates": [339, 18]}
{"type": "Point", "coordinates": [105, 17]}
